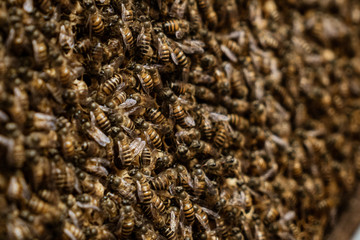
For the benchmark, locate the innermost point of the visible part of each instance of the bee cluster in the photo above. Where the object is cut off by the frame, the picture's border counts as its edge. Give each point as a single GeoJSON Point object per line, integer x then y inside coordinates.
{"type": "Point", "coordinates": [177, 119]}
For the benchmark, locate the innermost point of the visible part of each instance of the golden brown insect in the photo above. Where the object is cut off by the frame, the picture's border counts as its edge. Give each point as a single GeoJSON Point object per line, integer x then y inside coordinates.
{"type": "Point", "coordinates": [109, 87]}
{"type": "Point", "coordinates": [127, 36]}
{"type": "Point", "coordinates": [179, 58]}
{"type": "Point", "coordinates": [156, 116]}
{"type": "Point", "coordinates": [144, 40]}
{"type": "Point", "coordinates": [70, 231]}
{"type": "Point", "coordinates": [221, 136]}
{"type": "Point", "coordinates": [83, 46]}
{"type": "Point", "coordinates": [179, 114]}
{"type": "Point", "coordinates": [164, 179]}
{"type": "Point", "coordinates": [100, 117]}
{"type": "Point", "coordinates": [153, 136]}
{"type": "Point", "coordinates": [144, 78]}
{"type": "Point", "coordinates": [184, 177]}
{"type": "Point", "coordinates": [145, 194]}
{"type": "Point", "coordinates": [163, 47]}
{"type": "Point", "coordinates": [96, 21]}
{"type": "Point", "coordinates": [158, 204]}
{"type": "Point", "coordinates": [68, 146]}
{"type": "Point", "coordinates": [177, 27]}
{"type": "Point", "coordinates": [110, 208]}
{"type": "Point", "coordinates": [64, 176]}
{"type": "Point", "coordinates": [210, 15]}
{"type": "Point", "coordinates": [194, 16]}
{"type": "Point", "coordinates": [125, 156]}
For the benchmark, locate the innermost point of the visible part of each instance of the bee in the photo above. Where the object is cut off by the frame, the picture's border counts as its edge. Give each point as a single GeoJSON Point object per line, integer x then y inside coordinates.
{"type": "Point", "coordinates": [212, 43]}
{"type": "Point", "coordinates": [156, 116]}
{"type": "Point", "coordinates": [184, 178]}
{"type": "Point", "coordinates": [221, 136]}
{"type": "Point", "coordinates": [186, 205]}
{"type": "Point", "coordinates": [83, 46]}
{"type": "Point", "coordinates": [259, 232]}
{"type": "Point", "coordinates": [16, 227]}
{"type": "Point", "coordinates": [268, 40]}
{"type": "Point", "coordinates": [18, 188]}
{"type": "Point", "coordinates": [123, 185]}
{"type": "Point", "coordinates": [157, 203]}
{"type": "Point", "coordinates": [110, 208]}
{"type": "Point", "coordinates": [100, 117]}
{"type": "Point", "coordinates": [271, 216]}
{"type": "Point", "coordinates": [38, 206]}
{"type": "Point", "coordinates": [64, 176]}
{"type": "Point", "coordinates": [68, 146]}
{"type": "Point", "coordinates": [71, 231]}
{"type": "Point", "coordinates": [127, 36]}
{"type": "Point", "coordinates": [181, 88]}
{"type": "Point", "coordinates": [153, 136]}
{"type": "Point", "coordinates": [194, 16]}
{"type": "Point", "coordinates": [209, 62]}
{"type": "Point", "coordinates": [201, 181]}
{"type": "Point", "coordinates": [231, 49]}
{"type": "Point", "coordinates": [118, 98]}
{"type": "Point", "coordinates": [240, 123]}
{"type": "Point", "coordinates": [203, 149]}
{"type": "Point", "coordinates": [144, 191]}
{"type": "Point", "coordinates": [144, 40]}
{"type": "Point", "coordinates": [125, 153]}
{"type": "Point", "coordinates": [163, 47]}
{"type": "Point", "coordinates": [144, 78]}
{"type": "Point", "coordinates": [210, 15]}
{"type": "Point", "coordinates": [40, 48]}
{"type": "Point", "coordinates": [81, 90]}
{"type": "Point", "coordinates": [202, 217]}
{"type": "Point", "coordinates": [179, 58]}
{"type": "Point", "coordinates": [177, 27]}
{"type": "Point", "coordinates": [96, 21]}
{"type": "Point", "coordinates": [146, 157]}
{"type": "Point", "coordinates": [204, 94]}
{"type": "Point", "coordinates": [237, 106]}
{"type": "Point", "coordinates": [179, 114]}
{"type": "Point", "coordinates": [127, 14]}
{"type": "Point", "coordinates": [110, 86]}
{"type": "Point", "coordinates": [156, 78]}
{"type": "Point", "coordinates": [164, 179]}
{"type": "Point", "coordinates": [270, 10]}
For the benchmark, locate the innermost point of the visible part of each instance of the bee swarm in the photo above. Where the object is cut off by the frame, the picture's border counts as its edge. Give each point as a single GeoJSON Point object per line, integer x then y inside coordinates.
{"type": "Point", "coordinates": [177, 119]}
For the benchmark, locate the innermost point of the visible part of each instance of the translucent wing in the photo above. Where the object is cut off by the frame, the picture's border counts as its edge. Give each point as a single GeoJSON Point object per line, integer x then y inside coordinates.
{"type": "Point", "coordinates": [228, 53]}
{"type": "Point", "coordinates": [217, 117]}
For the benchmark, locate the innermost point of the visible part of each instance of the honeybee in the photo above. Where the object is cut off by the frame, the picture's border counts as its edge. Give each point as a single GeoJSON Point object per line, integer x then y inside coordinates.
{"type": "Point", "coordinates": [144, 40]}
{"type": "Point", "coordinates": [110, 86]}
{"type": "Point", "coordinates": [179, 58]}
{"type": "Point", "coordinates": [144, 192]}
{"type": "Point", "coordinates": [163, 47]}
{"type": "Point", "coordinates": [178, 112]}
{"type": "Point", "coordinates": [210, 15]}
{"type": "Point", "coordinates": [203, 149]}
{"type": "Point", "coordinates": [18, 188]}
{"type": "Point", "coordinates": [127, 36]}
{"type": "Point", "coordinates": [70, 231]}
{"type": "Point", "coordinates": [164, 179]}
{"type": "Point", "coordinates": [186, 205]}
{"type": "Point", "coordinates": [212, 43]}
{"type": "Point", "coordinates": [110, 208]}
{"type": "Point", "coordinates": [40, 48]}
{"type": "Point", "coordinates": [177, 27]}
{"type": "Point", "coordinates": [231, 49]}
{"type": "Point", "coordinates": [144, 78]}
{"type": "Point", "coordinates": [100, 117]}
{"type": "Point", "coordinates": [95, 133]}
{"type": "Point", "coordinates": [184, 178]}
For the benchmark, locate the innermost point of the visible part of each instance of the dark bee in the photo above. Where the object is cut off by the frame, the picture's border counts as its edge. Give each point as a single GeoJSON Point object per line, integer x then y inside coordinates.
{"type": "Point", "coordinates": [109, 86]}
{"type": "Point", "coordinates": [127, 221]}
{"type": "Point", "coordinates": [164, 179]}
{"type": "Point", "coordinates": [187, 205]}
{"type": "Point", "coordinates": [83, 46]}
{"type": "Point", "coordinates": [179, 114]}
{"type": "Point", "coordinates": [144, 40]}
{"type": "Point", "coordinates": [70, 231]}
{"type": "Point", "coordinates": [221, 136]}
{"type": "Point", "coordinates": [143, 189]}
{"type": "Point", "coordinates": [179, 58]}
{"type": "Point", "coordinates": [127, 36]}
{"type": "Point", "coordinates": [177, 27]}
{"type": "Point", "coordinates": [154, 137]}
{"type": "Point", "coordinates": [96, 20]}
{"type": "Point", "coordinates": [156, 116]}
{"type": "Point", "coordinates": [210, 15]}
{"type": "Point", "coordinates": [110, 208]}
{"type": "Point", "coordinates": [125, 156]}
{"type": "Point", "coordinates": [145, 78]}
{"type": "Point", "coordinates": [100, 117]}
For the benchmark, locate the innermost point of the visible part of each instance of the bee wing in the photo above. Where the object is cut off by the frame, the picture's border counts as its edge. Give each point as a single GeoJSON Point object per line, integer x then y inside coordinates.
{"type": "Point", "coordinates": [202, 222]}
{"type": "Point", "coordinates": [139, 191]}
{"type": "Point", "coordinates": [228, 53]}
{"type": "Point", "coordinates": [3, 116]}
{"type": "Point", "coordinates": [143, 83]}
{"type": "Point", "coordinates": [140, 36]}
{"type": "Point", "coordinates": [228, 68]}
{"type": "Point", "coordinates": [178, 9]}
{"type": "Point", "coordinates": [140, 148]}
{"type": "Point", "coordinates": [128, 103]}
{"type": "Point", "coordinates": [127, 46]}
{"type": "Point", "coordinates": [98, 136]}
{"type": "Point", "coordinates": [173, 221]}
{"type": "Point", "coordinates": [73, 218]}
{"type": "Point", "coordinates": [69, 234]}
{"type": "Point", "coordinates": [217, 117]}
{"type": "Point", "coordinates": [210, 212]}
{"type": "Point", "coordinates": [191, 47]}
{"type": "Point", "coordinates": [179, 34]}
{"type": "Point", "coordinates": [10, 38]}
{"type": "Point", "coordinates": [28, 6]}
{"type": "Point", "coordinates": [210, 185]}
